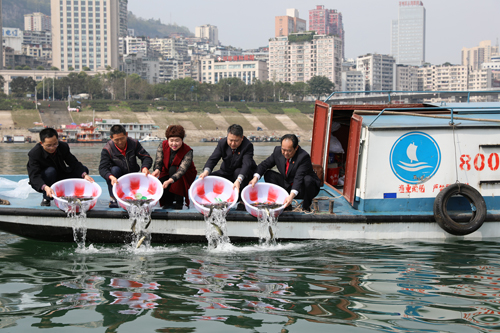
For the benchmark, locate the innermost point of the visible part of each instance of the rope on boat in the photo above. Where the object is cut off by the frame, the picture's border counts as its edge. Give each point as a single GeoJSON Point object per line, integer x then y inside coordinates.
{"type": "Point", "coordinates": [424, 115]}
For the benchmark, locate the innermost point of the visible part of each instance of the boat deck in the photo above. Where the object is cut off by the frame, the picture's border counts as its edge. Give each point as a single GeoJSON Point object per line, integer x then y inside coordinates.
{"type": "Point", "coordinates": [342, 210]}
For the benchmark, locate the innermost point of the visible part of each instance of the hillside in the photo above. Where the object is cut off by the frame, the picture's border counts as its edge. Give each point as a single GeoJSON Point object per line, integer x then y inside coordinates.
{"type": "Point", "coordinates": [13, 12]}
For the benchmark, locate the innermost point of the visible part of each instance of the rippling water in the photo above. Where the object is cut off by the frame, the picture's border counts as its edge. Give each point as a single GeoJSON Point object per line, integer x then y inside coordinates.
{"type": "Point", "coordinates": [291, 287]}
{"type": "Point", "coordinates": [320, 286]}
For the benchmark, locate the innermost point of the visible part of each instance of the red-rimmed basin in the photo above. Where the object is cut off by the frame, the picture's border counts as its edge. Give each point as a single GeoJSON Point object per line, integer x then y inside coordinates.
{"type": "Point", "coordinates": [263, 193]}
{"type": "Point", "coordinates": [76, 187]}
{"type": "Point", "coordinates": [212, 190]}
{"type": "Point", "coordinates": [131, 184]}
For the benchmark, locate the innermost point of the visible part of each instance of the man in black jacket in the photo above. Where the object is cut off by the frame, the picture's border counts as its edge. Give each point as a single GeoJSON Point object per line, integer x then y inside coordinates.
{"type": "Point", "coordinates": [51, 161]}
{"type": "Point", "coordinates": [296, 174]}
{"type": "Point", "coordinates": [236, 152]}
{"type": "Point", "coordinates": [119, 157]}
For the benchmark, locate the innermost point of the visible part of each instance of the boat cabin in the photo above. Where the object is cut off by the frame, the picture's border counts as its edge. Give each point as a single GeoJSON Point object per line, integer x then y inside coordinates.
{"type": "Point", "coordinates": [397, 158]}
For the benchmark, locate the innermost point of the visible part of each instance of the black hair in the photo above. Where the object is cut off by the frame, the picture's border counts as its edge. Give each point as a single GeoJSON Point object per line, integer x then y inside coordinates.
{"type": "Point", "coordinates": [291, 137]}
{"type": "Point", "coordinates": [117, 129]}
{"type": "Point", "coordinates": [235, 129]}
{"type": "Point", "coordinates": [48, 133]}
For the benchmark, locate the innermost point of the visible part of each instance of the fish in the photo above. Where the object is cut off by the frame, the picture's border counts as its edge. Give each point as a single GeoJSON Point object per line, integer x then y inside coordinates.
{"type": "Point", "coordinates": [133, 225]}
{"type": "Point", "coordinates": [147, 224]}
{"type": "Point", "coordinates": [219, 206]}
{"type": "Point", "coordinates": [264, 205]}
{"type": "Point", "coordinates": [138, 202]}
{"type": "Point", "coordinates": [267, 211]}
{"type": "Point", "coordinates": [219, 230]}
{"type": "Point", "coordinates": [271, 232]}
{"type": "Point", "coordinates": [76, 199]}
{"type": "Point", "coordinates": [139, 243]}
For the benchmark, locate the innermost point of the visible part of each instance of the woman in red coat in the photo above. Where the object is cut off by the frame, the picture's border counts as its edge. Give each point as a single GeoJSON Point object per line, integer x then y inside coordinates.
{"type": "Point", "coordinates": [175, 168]}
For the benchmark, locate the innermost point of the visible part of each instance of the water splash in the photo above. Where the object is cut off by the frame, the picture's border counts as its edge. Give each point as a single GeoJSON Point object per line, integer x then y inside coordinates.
{"type": "Point", "coordinates": [77, 213]}
{"type": "Point", "coordinates": [140, 220]}
{"type": "Point", "coordinates": [268, 227]}
{"type": "Point", "coordinates": [216, 229]}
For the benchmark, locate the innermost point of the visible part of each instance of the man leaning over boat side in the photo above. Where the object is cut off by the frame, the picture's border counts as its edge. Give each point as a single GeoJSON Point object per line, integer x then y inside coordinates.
{"type": "Point", "coordinates": [296, 174]}
{"type": "Point", "coordinates": [119, 157]}
{"type": "Point", "coordinates": [237, 165]}
{"type": "Point", "coordinates": [51, 161]}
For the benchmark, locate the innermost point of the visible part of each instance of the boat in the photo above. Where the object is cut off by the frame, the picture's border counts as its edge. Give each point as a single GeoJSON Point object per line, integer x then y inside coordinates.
{"type": "Point", "coordinates": [403, 167]}
{"type": "Point", "coordinates": [88, 134]}
{"type": "Point", "coordinates": [8, 139]}
{"type": "Point", "coordinates": [19, 139]}
{"type": "Point", "coordinates": [151, 138]}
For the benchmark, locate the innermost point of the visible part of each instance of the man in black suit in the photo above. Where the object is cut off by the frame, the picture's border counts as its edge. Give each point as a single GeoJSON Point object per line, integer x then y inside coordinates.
{"type": "Point", "coordinates": [236, 152]}
{"type": "Point", "coordinates": [296, 174]}
{"type": "Point", "coordinates": [119, 157]}
{"type": "Point", "coordinates": [50, 161]}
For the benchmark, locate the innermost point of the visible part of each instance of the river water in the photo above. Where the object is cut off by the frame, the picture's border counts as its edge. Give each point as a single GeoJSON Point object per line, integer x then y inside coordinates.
{"type": "Point", "coordinates": [321, 286]}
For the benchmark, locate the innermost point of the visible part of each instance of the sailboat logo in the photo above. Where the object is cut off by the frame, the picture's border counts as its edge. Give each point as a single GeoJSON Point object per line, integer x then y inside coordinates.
{"type": "Point", "coordinates": [415, 157]}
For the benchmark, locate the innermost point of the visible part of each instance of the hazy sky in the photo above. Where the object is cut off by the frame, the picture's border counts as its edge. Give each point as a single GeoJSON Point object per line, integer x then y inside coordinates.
{"type": "Point", "coordinates": [451, 24]}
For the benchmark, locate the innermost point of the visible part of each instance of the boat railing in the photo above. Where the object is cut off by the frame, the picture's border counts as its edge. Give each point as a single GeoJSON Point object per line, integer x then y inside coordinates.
{"type": "Point", "coordinates": [389, 92]}
{"type": "Point", "coordinates": [393, 111]}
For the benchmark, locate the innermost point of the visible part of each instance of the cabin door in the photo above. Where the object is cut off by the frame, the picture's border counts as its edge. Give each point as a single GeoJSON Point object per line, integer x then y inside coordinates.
{"type": "Point", "coordinates": [351, 167]}
{"type": "Point", "coordinates": [320, 136]}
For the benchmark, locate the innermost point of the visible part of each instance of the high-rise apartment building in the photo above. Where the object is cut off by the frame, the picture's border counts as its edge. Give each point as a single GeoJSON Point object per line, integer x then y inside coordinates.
{"type": "Point", "coordinates": [122, 5]}
{"type": "Point", "coordinates": [408, 34]}
{"type": "Point", "coordinates": [378, 70]}
{"type": "Point", "coordinates": [405, 78]}
{"type": "Point", "coordinates": [327, 22]}
{"type": "Point", "coordinates": [209, 32]}
{"type": "Point", "coordinates": [36, 22]}
{"type": "Point", "coordinates": [1, 44]}
{"type": "Point", "coordinates": [85, 33]}
{"type": "Point", "coordinates": [453, 78]}
{"type": "Point", "coordinates": [474, 57]}
{"type": "Point", "coordinates": [290, 23]}
{"type": "Point", "coordinates": [170, 48]}
{"type": "Point", "coordinates": [301, 56]}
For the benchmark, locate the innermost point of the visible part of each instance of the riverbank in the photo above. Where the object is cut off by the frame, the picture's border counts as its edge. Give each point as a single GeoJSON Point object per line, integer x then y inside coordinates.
{"type": "Point", "coordinates": [198, 125]}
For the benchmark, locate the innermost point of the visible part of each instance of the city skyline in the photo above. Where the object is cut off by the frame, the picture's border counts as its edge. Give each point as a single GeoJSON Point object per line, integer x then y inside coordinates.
{"type": "Point", "coordinates": [450, 26]}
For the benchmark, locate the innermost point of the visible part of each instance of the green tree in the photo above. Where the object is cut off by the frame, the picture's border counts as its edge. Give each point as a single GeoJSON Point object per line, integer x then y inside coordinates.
{"type": "Point", "coordinates": [54, 68]}
{"type": "Point", "coordinates": [71, 68]}
{"type": "Point", "coordinates": [26, 68]}
{"type": "Point", "coordinates": [320, 86]}
{"type": "Point", "coordinates": [300, 90]}
{"type": "Point", "coordinates": [18, 68]}
{"type": "Point", "coordinates": [86, 69]}
{"type": "Point", "coordinates": [20, 86]}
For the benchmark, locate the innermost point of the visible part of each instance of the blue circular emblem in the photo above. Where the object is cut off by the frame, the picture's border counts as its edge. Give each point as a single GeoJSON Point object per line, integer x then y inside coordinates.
{"type": "Point", "coordinates": [415, 157]}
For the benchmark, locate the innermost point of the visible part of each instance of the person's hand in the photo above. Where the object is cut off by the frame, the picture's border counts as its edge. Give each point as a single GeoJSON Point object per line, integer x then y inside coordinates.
{"type": "Point", "coordinates": [289, 199]}
{"type": "Point", "coordinates": [203, 174]}
{"type": "Point", "coordinates": [113, 180]}
{"type": "Point", "coordinates": [88, 178]}
{"type": "Point", "coordinates": [156, 173]}
{"type": "Point", "coordinates": [237, 184]}
{"type": "Point", "coordinates": [168, 182]}
{"type": "Point", "coordinates": [50, 192]}
{"type": "Point", "coordinates": [145, 171]}
{"type": "Point", "coordinates": [253, 181]}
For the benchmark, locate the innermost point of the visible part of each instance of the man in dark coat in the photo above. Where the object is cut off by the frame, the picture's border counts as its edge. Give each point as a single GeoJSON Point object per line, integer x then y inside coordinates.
{"type": "Point", "coordinates": [51, 161]}
{"type": "Point", "coordinates": [119, 157]}
{"type": "Point", "coordinates": [296, 174]}
{"type": "Point", "coordinates": [236, 152]}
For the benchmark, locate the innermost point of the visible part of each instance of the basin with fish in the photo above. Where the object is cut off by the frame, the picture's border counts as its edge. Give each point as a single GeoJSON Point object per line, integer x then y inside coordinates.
{"type": "Point", "coordinates": [262, 196]}
{"type": "Point", "coordinates": [137, 186]}
{"type": "Point", "coordinates": [74, 189]}
{"type": "Point", "coordinates": [212, 190]}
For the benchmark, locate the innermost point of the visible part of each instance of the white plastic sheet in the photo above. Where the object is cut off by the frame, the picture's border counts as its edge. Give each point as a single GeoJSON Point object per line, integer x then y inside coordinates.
{"type": "Point", "coordinates": [19, 190]}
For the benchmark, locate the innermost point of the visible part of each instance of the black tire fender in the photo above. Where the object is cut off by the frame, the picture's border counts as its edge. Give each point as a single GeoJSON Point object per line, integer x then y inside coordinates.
{"type": "Point", "coordinates": [476, 201]}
